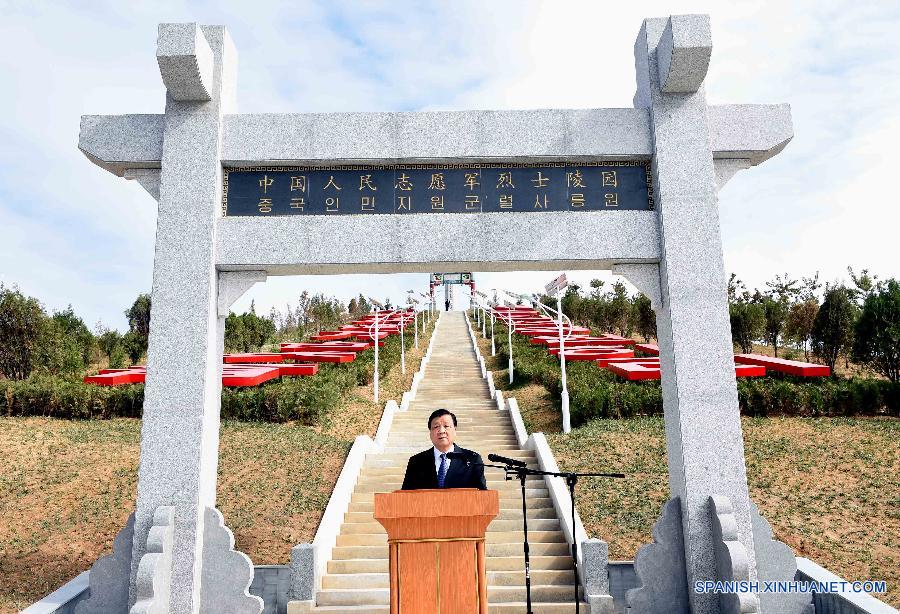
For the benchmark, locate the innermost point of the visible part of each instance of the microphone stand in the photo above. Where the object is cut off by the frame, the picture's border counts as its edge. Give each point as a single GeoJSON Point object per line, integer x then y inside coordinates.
{"type": "Point", "coordinates": [571, 479]}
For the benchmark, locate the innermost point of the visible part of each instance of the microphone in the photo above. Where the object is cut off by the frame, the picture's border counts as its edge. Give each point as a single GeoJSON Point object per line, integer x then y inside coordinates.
{"type": "Point", "coordinates": [458, 456]}
{"type": "Point", "coordinates": [496, 458]}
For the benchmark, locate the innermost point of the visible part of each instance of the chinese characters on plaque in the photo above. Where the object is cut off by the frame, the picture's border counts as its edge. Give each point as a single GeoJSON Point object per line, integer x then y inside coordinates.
{"type": "Point", "coordinates": [479, 188]}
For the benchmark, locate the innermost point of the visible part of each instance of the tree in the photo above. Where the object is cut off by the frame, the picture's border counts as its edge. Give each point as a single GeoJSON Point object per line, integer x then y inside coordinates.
{"type": "Point", "coordinates": [863, 285]}
{"type": "Point", "coordinates": [877, 331]}
{"type": "Point", "coordinates": [22, 320]}
{"type": "Point", "coordinates": [775, 311]}
{"type": "Point", "coordinates": [109, 340]}
{"type": "Point", "coordinates": [776, 304]}
{"type": "Point", "coordinates": [619, 309]}
{"type": "Point", "coordinates": [59, 352]}
{"type": "Point", "coordinates": [833, 326]}
{"type": "Point", "coordinates": [74, 327]}
{"type": "Point", "coordinates": [799, 324]}
{"type": "Point", "coordinates": [644, 317]}
{"type": "Point", "coordinates": [747, 323]}
{"type": "Point", "coordinates": [138, 326]}
{"type": "Point", "coordinates": [134, 346]}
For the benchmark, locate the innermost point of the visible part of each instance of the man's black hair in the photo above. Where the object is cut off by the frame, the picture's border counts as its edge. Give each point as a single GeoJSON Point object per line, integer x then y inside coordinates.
{"type": "Point", "coordinates": [438, 413]}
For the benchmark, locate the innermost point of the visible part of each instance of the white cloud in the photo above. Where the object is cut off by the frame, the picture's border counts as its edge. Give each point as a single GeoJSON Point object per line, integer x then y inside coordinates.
{"type": "Point", "coordinates": [71, 233]}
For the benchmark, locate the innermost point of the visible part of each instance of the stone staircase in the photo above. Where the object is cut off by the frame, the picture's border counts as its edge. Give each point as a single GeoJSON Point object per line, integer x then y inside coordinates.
{"type": "Point", "coordinates": [357, 574]}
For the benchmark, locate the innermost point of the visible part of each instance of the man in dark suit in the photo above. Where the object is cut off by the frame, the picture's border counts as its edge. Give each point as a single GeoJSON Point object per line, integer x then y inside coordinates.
{"type": "Point", "coordinates": [433, 469]}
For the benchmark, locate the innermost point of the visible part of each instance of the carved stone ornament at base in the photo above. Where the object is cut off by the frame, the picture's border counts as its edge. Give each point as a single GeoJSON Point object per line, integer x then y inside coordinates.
{"type": "Point", "coordinates": [660, 568]}
{"type": "Point", "coordinates": [110, 576]}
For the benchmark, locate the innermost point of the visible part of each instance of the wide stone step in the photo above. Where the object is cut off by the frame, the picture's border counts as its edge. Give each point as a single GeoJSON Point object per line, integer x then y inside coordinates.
{"type": "Point", "coordinates": [546, 577]}
{"type": "Point", "coordinates": [491, 537]}
{"type": "Point", "coordinates": [493, 608]}
{"type": "Point", "coordinates": [534, 524]}
{"type": "Point", "coordinates": [491, 549]}
{"type": "Point", "coordinates": [513, 562]}
{"type": "Point", "coordinates": [381, 596]}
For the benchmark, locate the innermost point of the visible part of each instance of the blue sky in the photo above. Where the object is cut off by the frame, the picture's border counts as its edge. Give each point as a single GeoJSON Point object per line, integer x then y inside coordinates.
{"type": "Point", "coordinates": [71, 233]}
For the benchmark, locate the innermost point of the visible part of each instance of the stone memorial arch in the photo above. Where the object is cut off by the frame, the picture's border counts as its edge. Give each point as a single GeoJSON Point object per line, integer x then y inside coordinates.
{"type": "Point", "coordinates": [179, 555]}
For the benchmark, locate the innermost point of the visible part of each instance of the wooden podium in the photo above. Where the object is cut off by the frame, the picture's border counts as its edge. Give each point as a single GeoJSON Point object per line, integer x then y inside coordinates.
{"type": "Point", "coordinates": [436, 543]}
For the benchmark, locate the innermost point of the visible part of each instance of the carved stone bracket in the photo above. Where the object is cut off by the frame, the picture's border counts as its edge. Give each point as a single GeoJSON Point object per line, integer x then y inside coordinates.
{"type": "Point", "coordinates": [644, 277]}
{"type": "Point", "coordinates": [726, 168]}
{"type": "Point", "coordinates": [185, 62]}
{"type": "Point", "coordinates": [775, 562]}
{"type": "Point", "coordinates": [148, 178]}
{"type": "Point", "coordinates": [233, 284]}
{"type": "Point", "coordinates": [732, 562]}
{"type": "Point", "coordinates": [154, 574]}
{"type": "Point", "coordinates": [661, 569]}
{"type": "Point", "coordinates": [227, 573]}
{"type": "Point", "coordinates": [109, 576]}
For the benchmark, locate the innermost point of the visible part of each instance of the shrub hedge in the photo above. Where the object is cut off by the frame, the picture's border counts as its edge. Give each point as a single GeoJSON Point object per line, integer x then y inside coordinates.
{"type": "Point", "coordinates": [598, 393]}
{"type": "Point", "coordinates": [309, 400]}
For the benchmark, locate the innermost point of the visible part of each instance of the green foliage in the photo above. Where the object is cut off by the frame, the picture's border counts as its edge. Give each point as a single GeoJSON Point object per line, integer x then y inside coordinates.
{"type": "Point", "coordinates": [134, 346]}
{"type": "Point", "coordinates": [309, 400]}
{"type": "Point", "coordinates": [247, 332]}
{"type": "Point", "coordinates": [747, 323]}
{"type": "Point", "coordinates": [832, 332]}
{"type": "Point", "coordinates": [59, 397]}
{"type": "Point", "coordinates": [21, 323]}
{"type": "Point", "coordinates": [74, 328]}
{"type": "Point", "coordinates": [877, 331]}
{"type": "Point", "coordinates": [643, 317]}
{"type": "Point", "coordinates": [135, 340]}
{"type": "Point", "coordinates": [799, 324]}
{"type": "Point", "coordinates": [33, 342]}
{"type": "Point", "coordinates": [599, 393]}
{"type": "Point", "coordinates": [775, 312]}
{"type": "Point", "coordinates": [59, 353]}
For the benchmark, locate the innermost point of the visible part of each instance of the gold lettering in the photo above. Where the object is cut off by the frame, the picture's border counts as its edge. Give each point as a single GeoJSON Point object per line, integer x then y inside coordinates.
{"type": "Point", "coordinates": [611, 200]}
{"type": "Point", "coordinates": [537, 202]}
{"type": "Point", "coordinates": [332, 204]}
{"type": "Point", "coordinates": [298, 183]}
{"type": "Point", "coordinates": [437, 203]}
{"type": "Point", "coordinates": [540, 181]}
{"type": "Point", "coordinates": [473, 202]}
{"type": "Point", "coordinates": [265, 183]}
{"type": "Point", "coordinates": [298, 203]}
{"type": "Point", "coordinates": [403, 183]}
{"type": "Point", "coordinates": [506, 201]}
{"type": "Point", "coordinates": [472, 181]}
{"type": "Point", "coordinates": [331, 184]}
{"type": "Point", "coordinates": [504, 180]}
{"type": "Point", "coordinates": [437, 182]}
{"type": "Point", "coordinates": [367, 203]}
{"type": "Point", "coordinates": [577, 201]}
{"type": "Point", "coordinates": [365, 181]}
{"type": "Point", "coordinates": [404, 203]}
{"type": "Point", "coordinates": [574, 179]}
{"type": "Point", "coordinates": [265, 205]}
{"type": "Point", "coordinates": [610, 179]}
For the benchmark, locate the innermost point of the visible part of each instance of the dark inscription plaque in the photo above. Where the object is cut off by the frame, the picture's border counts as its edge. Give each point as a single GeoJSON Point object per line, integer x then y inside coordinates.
{"type": "Point", "coordinates": [475, 188]}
